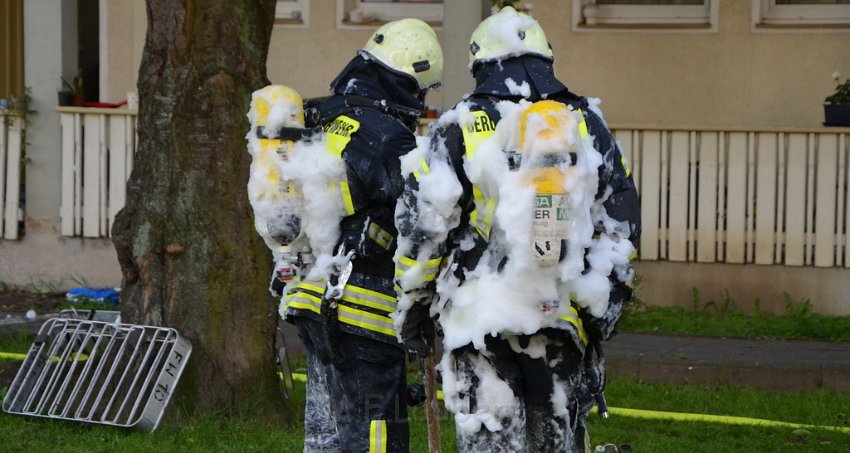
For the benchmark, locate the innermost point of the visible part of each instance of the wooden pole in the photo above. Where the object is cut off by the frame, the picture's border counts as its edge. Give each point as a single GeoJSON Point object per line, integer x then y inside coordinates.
{"type": "Point", "coordinates": [432, 408]}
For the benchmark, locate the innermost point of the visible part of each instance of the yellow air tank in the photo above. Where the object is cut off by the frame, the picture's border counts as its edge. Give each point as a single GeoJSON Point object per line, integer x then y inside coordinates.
{"type": "Point", "coordinates": [272, 198]}
{"type": "Point", "coordinates": [548, 136]}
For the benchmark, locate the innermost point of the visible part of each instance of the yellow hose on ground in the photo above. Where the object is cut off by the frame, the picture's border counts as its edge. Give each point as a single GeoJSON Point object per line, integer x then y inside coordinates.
{"type": "Point", "coordinates": [681, 416]}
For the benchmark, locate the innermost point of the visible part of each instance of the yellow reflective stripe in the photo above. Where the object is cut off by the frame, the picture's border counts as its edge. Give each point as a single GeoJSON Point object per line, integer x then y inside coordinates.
{"type": "Point", "coordinates": [482, 223]}
{"type": "Point", "coordinates": [573, 318]}
{"type": "Point", "coordinates": [351, 294]}
{"type": "Point", "coordinates": [378, 436]}
{"type": "Point", "coordinates": [582, 126]}
{"type": "Point", "coordinates": [476, 132]}
{"type": "Point", "coordinates": [381, 236]}
{"type": "Point", "coordinates": [473, 135]}
{"type": "Point", "coordinates": [369, 293]}
{"type": "Point", "coordinates": [346, 197]}
{"type": "Point", "coordinates": [304, 301]}
{"type": "Point", "coordinates": [365, 320]}
{"type": "Point", "coordinates": [430, 267]}
{"type": "Point", "coordinates": [427, 277]}
{"type": "Point", "coordinates": [367, 301]}
{"type": "Point", "coordinates": [312, 285]}
{"type": "Point", "coordinates": [354, 292]}
{"type": "Point", "coordinates": [625, 165]}
{"type": "Point", "coordinates": [338, 133]}
{"type": "Point", "coordinates": [424, 167]}
{"type": "Point", "coordinates": [410, 262]}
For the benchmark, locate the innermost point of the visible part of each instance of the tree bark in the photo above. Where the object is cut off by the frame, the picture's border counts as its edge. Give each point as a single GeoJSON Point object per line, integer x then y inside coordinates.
{"type": "Point", "coordinates": [185, 240]}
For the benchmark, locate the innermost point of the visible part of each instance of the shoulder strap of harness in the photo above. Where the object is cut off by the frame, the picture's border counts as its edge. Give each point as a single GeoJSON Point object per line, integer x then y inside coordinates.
{"type": "Point", "coordinates": [488, 105]}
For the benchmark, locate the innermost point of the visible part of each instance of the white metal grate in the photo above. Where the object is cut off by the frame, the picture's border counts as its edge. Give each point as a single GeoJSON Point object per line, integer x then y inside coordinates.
{"type": "Point", "coordinates": [99, 372]}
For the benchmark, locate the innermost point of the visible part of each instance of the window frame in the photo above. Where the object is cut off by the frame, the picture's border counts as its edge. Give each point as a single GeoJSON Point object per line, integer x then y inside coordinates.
{"type": "Point", "coordinates": [654, 18]}
{"type": "Point", "coordinates": [284, 10]}
{"type": "Point", "coordinates": [382, 12]}
{"type": "Point", "coordinates": [767, 14]}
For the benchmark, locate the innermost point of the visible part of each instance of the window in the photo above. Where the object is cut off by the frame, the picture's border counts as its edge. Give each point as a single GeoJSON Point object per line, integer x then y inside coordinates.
{"type": "Point", "coordinates": [801, 13]}
{"type": "Point", "coordinates": [377, 12]}
{"type": "Point", "coordinates": [649, 14]}
{"type": "Point", "coordinates": [292, 12]}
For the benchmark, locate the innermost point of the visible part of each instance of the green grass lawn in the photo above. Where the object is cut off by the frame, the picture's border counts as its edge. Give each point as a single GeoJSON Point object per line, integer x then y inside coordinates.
{"type": "Point", "coordinates": [794, 324]}
{"type": "Point", "coordinates": [820, 408]}
{"type": "Point", "coordinates": [234, 434]}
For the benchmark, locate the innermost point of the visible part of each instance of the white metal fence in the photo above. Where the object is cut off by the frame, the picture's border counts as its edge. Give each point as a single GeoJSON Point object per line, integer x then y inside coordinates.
{"type": "Point", "coordinates": [11, 153]}
{"type": "Point", "coordinates": [97, 157]}
{"type": "Point", "coordinates": [709, 195]}
{"type": "Point", "coordinates": [767, 196]}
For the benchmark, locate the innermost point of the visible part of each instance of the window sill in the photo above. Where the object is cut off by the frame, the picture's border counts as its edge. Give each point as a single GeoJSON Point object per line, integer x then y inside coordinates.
{"type": "Point", "coordinates": [289, 22]}
{"type": "Point", "coordinates": [801, 26]}
{"type": "Point", "coordinates": [648, 26]}
{"type": "Point", "coordinates": [378, 23]}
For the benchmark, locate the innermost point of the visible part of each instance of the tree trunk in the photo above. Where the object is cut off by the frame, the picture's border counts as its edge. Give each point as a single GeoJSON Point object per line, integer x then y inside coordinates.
{"type": "Point", "coordinates": [189, 255]}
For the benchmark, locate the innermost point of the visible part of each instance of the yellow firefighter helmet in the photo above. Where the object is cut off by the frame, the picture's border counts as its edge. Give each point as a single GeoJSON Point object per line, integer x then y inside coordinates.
{"type": "Point", "coordinates": [408, 46]}
{"type": "Point", "coordinates": [506, 34]}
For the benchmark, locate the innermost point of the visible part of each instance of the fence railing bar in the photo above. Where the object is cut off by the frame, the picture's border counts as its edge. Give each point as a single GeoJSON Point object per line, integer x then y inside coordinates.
{"type": "Point", "coordinates": [664, 232]}
{"type": "Point", "coordinates": [3, 153]}
{"type": "Point", "coordinates": [811, 181]}
{"type": "Point", "coordinates": [842, 213]}
{"type": "Point", "coordinates": [14, 152]}
{"type": "Point", "coordinates": [693, 196]}
{"type": "Point", "coordinates": [722, 195]}
{"type": "Point", "coordinates": [779, 212]}
{"type": "Point", "coordinates": [78, 176]}
{"type": "Point", "coordinates": [103, 163]}
{"type": "Point", "coordinates": [751, 187]}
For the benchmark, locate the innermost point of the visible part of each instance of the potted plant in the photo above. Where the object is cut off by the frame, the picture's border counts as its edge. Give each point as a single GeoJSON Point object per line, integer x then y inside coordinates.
{"type": "Point", "coordinates": [837, 106]}
{"type": "Point", "coordinates": [72, 92]}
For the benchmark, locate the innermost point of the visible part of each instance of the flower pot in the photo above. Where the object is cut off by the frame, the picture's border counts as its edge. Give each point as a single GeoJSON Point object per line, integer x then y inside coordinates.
{"type": "Point", "coordinates": [836, 115]}
{"type": "Point", "coordinates": [65, 98]}
{"type": "Point", "coordinates": [79, 100]}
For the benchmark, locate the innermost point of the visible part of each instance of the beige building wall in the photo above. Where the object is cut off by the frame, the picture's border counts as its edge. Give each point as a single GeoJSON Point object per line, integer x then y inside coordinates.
{"type": "Point", "coordinates": [672, 284]}
{"type": "Point", "coordinates": [730, 77]}
{"type": "Point", "coordinates": [308, 59]}
{"type": "Point", "coordinates": [733, 76]}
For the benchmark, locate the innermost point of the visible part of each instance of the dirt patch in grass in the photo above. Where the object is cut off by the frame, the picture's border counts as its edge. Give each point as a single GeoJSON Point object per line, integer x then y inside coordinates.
{"type": "Point", "coordinates": [20, 302]}
{"type": "Point", "coordinates": [8, 370]}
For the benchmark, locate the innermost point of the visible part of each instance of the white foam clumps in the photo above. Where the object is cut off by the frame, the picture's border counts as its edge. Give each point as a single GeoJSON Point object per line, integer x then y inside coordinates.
{"type": "Point", "coordinates": [490, 301]}
{"type": "Point", "coordinates": [317, 173]}
{"type": "Point", "coordinates": [523, 90]}
{"type": "Point", "coordinates": [508, 301]}
{"type": "Point", "coordinates": [437, 213]}
{"type": "Point", "coordinates": [312, 175]}
{"type": "Point", "coordinates": [495, 400]}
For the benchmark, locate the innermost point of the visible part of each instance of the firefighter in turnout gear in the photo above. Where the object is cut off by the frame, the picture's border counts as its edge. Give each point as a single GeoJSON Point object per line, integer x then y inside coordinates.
{"type": "Point", "coordinates": [516, 226]}
{"type": "Point", "coordinates": [341, 305]}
